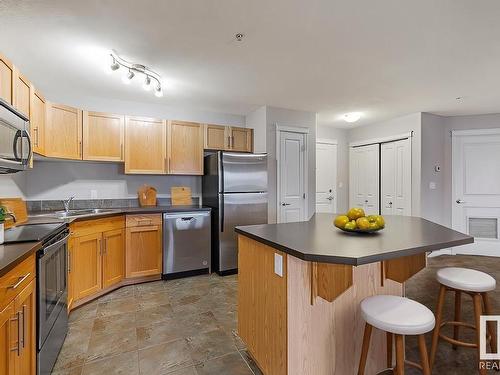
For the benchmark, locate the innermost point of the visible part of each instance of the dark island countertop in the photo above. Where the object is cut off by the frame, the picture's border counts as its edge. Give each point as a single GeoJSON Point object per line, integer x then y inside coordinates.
{"type": "Point", "coordinates": [318, 240]}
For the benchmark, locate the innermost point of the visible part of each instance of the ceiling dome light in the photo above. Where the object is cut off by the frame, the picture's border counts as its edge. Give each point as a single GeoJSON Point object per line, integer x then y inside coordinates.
{"type": "Point", "coordinates": [158, 91]}
{"type": "Point", "coordinates": [352, 116]}
{"type": "Point", "coordinates": [128, 77]}
{"type": "Point", "coordinates": [147, 84]}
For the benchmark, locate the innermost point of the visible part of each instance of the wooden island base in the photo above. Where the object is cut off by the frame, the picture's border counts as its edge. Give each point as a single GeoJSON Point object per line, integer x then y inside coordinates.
{"type": "Point", "coordinates": [288, 323]}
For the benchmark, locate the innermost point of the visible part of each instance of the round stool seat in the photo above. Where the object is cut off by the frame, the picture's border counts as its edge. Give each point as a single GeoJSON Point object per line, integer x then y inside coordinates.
{"type": "Point", "coordinates": [398, 315]}
{"type": "Point", "coordinates": [466, 279]}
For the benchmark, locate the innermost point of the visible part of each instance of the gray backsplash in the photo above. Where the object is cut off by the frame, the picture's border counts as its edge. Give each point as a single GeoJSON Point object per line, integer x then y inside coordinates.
{"type": "Point", "coordinates": [51, 205]}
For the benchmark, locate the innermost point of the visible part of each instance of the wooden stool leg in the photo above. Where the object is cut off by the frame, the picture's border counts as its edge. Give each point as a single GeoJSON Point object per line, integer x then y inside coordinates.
{"type": "Point", "coordinates": [478, 310]}
{"type": "Point", "coordinates": [400, 355]}
{"type": "Point", "coordinates": [389, 349]}
{"type": "Point", "coordinates": [458, 316]}
{"type": "Point", "coordinates": [424, 357]}
{"type": "Point", "coordinates": [439, 317]}
{"type": "Point", "coordinates": [491, 326]}
{"type": "Point", "coordinates": [364, 349]}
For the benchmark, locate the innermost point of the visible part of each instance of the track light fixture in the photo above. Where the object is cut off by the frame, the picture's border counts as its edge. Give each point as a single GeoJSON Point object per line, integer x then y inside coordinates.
{"type": "Point", "coordinates": [134, 69]}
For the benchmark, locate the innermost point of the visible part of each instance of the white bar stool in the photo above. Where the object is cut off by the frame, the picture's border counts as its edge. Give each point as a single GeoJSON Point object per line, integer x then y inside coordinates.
{"type": "Point", "coordinates": [474, 283]}
{"type": "Point", "coordinates": [398, 316]}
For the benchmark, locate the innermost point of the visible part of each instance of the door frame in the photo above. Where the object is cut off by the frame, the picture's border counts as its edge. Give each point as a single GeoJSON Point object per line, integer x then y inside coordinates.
{"type": "Point", "coordinates": [335, 143]}
{"type": "Point", "coordinates": [305, 132]}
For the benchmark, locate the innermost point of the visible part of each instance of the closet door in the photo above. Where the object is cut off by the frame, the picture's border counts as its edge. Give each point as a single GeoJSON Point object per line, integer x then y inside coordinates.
{"type": "Point", "coordinates": [364, 178]}
{"type": "Point", "coordinates": [396, 177]}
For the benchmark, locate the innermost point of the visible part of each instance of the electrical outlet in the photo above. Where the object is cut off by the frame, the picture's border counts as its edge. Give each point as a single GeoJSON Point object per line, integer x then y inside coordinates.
{"type": "Point", "coordinates": [278, 264]}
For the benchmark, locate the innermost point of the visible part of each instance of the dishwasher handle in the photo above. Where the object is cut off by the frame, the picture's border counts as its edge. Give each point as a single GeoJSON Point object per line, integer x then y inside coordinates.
{"type": "Point", "coordinates": [185, 216]}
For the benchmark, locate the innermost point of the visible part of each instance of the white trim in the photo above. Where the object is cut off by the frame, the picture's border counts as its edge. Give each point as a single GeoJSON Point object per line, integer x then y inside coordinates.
{"type": "Point", "coordinates": [292, 129]}
{"type": "Point", "coordinates": [372, 141]}
{"type": "Point", "coordinates": [304, 131]}
{"type": "Point", "coordinates": [327, 141]}
{"type": "Point", "coordinates": [455, 133]}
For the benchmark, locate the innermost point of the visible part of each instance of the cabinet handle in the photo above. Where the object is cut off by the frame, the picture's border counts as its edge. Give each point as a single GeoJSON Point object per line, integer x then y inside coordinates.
{"type": "Point", "coordinates": [228, 142]}
{"type": "Point", "coordinates": [17, 348]}
{"type": "Point", "coordinates": [20, 281]}
{"type": "Point", "coordinates": [81, 149]}
{"type": "Point", "coordinates": [69, 261]}
{"type": "Point", "coordinates": [25, 324]}
{"type": "Point", "coordinates": [121, 152]}
{"type": "Point", "coordinates": [100, 247]}
{"type": "Point", "coordinates": [36, 136]}
{"type": "Point", "coordinates": [232, 141]}
{"type": "Point", "coordinates": [105, 245]}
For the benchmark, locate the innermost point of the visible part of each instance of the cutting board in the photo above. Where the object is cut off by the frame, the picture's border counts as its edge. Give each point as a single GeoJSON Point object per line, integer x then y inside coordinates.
{"type": "Point", "coordinates": [18, 207]}
{"type": "Point", "coordinates": [147, 196]}
{"type": "Point", "coordinates": [181, 196]}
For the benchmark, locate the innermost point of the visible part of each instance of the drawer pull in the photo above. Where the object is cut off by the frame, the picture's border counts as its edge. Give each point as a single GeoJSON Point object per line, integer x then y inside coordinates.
{"type": "Point", "coordinates": [20, 281]}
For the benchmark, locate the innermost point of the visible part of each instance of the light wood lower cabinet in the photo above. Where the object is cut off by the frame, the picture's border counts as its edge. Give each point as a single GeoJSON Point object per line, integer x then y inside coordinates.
{"type": "Point", "coordinates": [63, 132]}
{"type": "Point", "coordinates": [25, 308]}
{"type": "Point", "coordinates": [103, 136]}
{"type": "Point", "coordinates": [143, 245]}
{"type": "Point", "coordinates": [8, 340]}
{"type": "Point", "coordinates": [113, 259]}
{"type": "Point", "coordinates": [86, 272]}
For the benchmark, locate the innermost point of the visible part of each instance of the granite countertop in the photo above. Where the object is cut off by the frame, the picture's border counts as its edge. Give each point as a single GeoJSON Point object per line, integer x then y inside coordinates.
{"type": "Point", "coordinates": [319, 241]}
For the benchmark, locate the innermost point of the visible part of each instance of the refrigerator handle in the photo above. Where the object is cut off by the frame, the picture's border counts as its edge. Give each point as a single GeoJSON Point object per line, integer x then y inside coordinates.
{"type": "Point", "coordinates": [221, 171]}
{"type": "Point", "coordinates": [221, 212]}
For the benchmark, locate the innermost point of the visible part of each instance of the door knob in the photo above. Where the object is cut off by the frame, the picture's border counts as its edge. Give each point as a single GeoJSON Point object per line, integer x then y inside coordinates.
{"type": "Point", "coordinates": [330, 198]}
{"type": "Point", "coordinates": [285, 204]}
{"type": "Point", "coordinates": [390, 203]}
{"type": "Point", "coordinates": [459, 201]}
{"type": "Point", "coordinates": [366, 200]}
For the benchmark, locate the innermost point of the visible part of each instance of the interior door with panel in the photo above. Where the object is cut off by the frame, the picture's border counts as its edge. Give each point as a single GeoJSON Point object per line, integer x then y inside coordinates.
{"type": "Point", "coordinates": [217, 137]}
{"type": "Point", "coordinates": [87, 276]}
{"type": "Point", "coordinates": [63, 132]}
{"type": "Point", "coordinates": [291, 191]}
{"type": "Point", "coordinates": [241, 139]}
{"type": "Point", "coordinates": [326, 176]}
{"type": "Point", "coordinates": [395, 174]}
{"type": "Point", "coordinates": [113, 257]}
{"type": "Point", "coordinates": [6, 79]}
{"type": "Point", "coordinates": [476, 189]}
{"type": "Point", "coordinates": [364, 178]}
{"type": "Point", "coordinates": [185, 148]}
{"type": "Point", "coordinates": [145, 145]}
{"type": "Point", "coordinates": [103, 136]}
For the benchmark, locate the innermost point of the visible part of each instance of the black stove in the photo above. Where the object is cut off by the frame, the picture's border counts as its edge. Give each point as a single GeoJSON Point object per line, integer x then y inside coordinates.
{"type": "Point", "coordinates": [32, 232]}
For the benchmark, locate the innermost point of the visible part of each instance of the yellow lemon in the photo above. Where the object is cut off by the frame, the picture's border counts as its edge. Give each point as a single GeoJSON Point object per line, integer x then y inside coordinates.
{"type": "Point", "coordinates": [340, 221]}
{"type": "Point", "coordinates": [362, 223]}
{"type": "Point", "coordinates": [355, 213]}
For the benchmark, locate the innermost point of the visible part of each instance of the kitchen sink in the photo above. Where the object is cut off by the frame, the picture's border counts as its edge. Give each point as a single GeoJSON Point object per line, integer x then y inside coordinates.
{"type": "Point", "coordinates": [77, 213]}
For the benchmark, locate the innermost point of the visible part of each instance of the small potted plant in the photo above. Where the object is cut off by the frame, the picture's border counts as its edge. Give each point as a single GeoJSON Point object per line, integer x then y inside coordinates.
{"type": "Point", "coordinates": [3, 214]}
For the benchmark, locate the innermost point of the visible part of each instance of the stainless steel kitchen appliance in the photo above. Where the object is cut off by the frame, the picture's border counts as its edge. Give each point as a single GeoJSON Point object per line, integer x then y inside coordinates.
{"type": "Point", "coordinates": [186, 243]}
{"type": "Point", "coordinates": [235, 186]}
{"type": "Point", "coordinates": [15, 142]}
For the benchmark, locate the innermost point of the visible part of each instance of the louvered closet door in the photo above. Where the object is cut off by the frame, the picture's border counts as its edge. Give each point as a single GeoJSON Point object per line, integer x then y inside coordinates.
{"type": "Point", "coordinates": [364, 178]}
{"type": "Point", "coordinates": [395, 174]}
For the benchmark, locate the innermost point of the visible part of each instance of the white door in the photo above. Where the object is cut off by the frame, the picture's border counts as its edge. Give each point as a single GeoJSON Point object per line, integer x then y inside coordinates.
{"type": "Point", "coordinates": [291, 197]}
{"type": "Point", "coordinates": [364, 178]}
{"type": "Point", "coordinates": [395, 175]}
{"type": "Point", "coordinates": [326, 176]}
{"type": "Point", "coordinates": [476, 189]}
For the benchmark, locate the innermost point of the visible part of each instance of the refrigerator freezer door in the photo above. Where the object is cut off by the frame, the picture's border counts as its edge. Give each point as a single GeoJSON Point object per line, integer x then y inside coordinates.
{"type": "Point", "coordinates": [238, 209]}
{"type": "Point", "coordinates": [244, 172]}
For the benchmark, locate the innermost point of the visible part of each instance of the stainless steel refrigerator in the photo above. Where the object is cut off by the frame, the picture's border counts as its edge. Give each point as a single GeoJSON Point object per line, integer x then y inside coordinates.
{"type": "Point", "coordinates": [235, 186]}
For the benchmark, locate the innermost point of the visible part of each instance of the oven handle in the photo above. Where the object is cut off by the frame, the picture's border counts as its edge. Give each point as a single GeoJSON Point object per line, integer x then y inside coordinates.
{"type": "Point", "coordinates": [58, 243]}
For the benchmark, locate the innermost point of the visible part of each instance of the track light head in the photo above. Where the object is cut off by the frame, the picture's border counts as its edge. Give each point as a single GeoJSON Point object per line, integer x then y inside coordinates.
{"type": "Point", "coordinates": [147, 83]}
{"type": "Point", "coordinates": [128, 77]}
{"type": "Point", "coordinates": [114, 65]}
{"type": "Point", "coordinates": [158, 91]}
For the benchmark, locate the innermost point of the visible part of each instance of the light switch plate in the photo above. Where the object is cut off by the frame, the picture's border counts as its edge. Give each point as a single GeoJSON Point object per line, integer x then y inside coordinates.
{"type": "Point", "coordinates": [278, 264]}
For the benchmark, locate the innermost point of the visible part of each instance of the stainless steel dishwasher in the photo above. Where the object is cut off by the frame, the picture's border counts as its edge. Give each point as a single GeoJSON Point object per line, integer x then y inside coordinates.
{"type": "Point", "coordinates": [186, 243]}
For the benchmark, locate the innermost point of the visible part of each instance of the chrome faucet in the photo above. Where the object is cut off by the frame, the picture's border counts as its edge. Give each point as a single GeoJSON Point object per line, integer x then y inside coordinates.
{"type": "Point", "coordinates": [67, 202]}
{"type": "Point", "coordinates": [12, 215]}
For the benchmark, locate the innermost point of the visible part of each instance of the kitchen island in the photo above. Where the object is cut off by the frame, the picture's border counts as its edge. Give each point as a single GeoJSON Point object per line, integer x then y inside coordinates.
{"type": "Point", "coordinates": [300, 285]}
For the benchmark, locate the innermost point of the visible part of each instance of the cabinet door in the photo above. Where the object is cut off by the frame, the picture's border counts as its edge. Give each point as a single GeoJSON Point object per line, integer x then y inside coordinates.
{"type": "Point", "coordinates": [22, 93]}
{"type": "Point", "coordinates": [8, 340]}
{"type": "Point", "coordinates": [217, 137]}
{"type": "Point", "coordinates": [37, 123]}
{"type": "Point", "coordinates": [87, 268]}
{"type": "Point", "coordinates": [63, 132]}
{"type": "Point", "coordinates": [25, 307]}
{"type": "Point", "coordinates": [143, 251]}
{"type": "Point", "coordinates": [145, 146]}
{"type": "Point", "coordinates": [6, 79]}
{"type": "Point", "coordinates": [103, 136]}
{"type": "Point", "coordinates": [185, 148]}
{"type": "Point", "coordinates": [241, 139]}
{"type": "Point", "coordinates": [113, 259]}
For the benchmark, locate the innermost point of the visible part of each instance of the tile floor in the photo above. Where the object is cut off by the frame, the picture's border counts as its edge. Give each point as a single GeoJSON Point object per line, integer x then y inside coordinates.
{"type": "Point", "coordinates": [188, 327]}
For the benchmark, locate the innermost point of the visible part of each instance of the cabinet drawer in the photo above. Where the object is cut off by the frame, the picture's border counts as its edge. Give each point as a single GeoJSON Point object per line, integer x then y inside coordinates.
{"type": "Point", "coordinates": [143, 220]}
{"type": "Point", "coordinates": [16, 279]}
{"type": "Point", "coordinates": [86, 227]}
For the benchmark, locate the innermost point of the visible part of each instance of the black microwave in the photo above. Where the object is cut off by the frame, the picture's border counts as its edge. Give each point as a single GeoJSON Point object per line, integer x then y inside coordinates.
{"type": "Point", "coordinates": [15, 142]}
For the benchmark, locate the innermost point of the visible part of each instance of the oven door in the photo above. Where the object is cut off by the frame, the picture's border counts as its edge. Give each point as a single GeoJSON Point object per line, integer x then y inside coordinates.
{"type": "Point", "coordinates": [52, 286]}
{"type": "Point", "coordinates": [15, 143]}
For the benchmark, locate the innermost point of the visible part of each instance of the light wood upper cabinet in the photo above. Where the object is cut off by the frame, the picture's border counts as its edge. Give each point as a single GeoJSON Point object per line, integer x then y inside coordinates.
{"type": "Point", "coordinates": [6, 79]}
{"type": "Point", "coordinates": [63, 132]}
{"type": "Point", "coordinates": [145, 145]}
{"type": "Point", "coordinates": [25, 307]}
{"type": "Point", "coordinates": [241, 139]}
{"type": "Point", "coordinates": [37, 123]}
{"type": "Point", "coordinates": [113, 257]}
{"type": "Point", "coordinates": [185, 148]}
{"type": "Point", "coordinates": [103, 136]}
{"type": "Point", "coordinates": [8, 339]}
{"type": "Point", "coordinates": [143, 245]}
{"type": "Point", "coordinates": [86, 270]}
{"type": "Point", "coordinates": [216, 137]}
{"type": "Point", "coordinates": [21, 93]}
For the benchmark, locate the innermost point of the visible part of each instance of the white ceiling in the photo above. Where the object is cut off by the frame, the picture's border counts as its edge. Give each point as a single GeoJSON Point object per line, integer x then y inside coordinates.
{"type": "Point", "coordinates": [384, 58]}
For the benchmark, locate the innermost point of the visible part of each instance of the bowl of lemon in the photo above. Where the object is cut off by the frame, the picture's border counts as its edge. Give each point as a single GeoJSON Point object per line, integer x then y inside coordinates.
{"type": "Point", "coordinates": [356, 221]}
